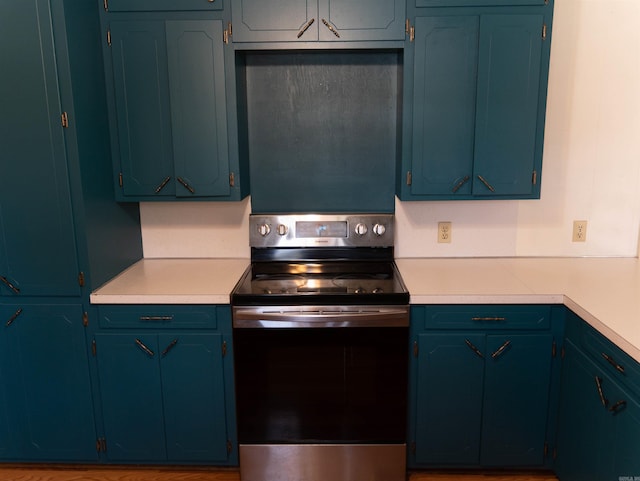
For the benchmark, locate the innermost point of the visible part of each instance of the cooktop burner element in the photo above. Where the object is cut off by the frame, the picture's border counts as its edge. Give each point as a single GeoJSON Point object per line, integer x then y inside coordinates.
{"type": "Point", "coordinates": [321, 259]}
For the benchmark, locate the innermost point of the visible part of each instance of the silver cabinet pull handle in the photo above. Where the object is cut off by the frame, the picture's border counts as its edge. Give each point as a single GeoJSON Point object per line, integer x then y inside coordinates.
{"type": "Point", "coordinates": [487, 184]}
{"type": "Point", "coordinates": [163, 184]}
{"type": "Point", "coordinates": [14, 317]}
{"type": "Point", "coordinates": [611, 361]}
{"type": "Point", "coordinates": [156, 318]}
{"type": "Point", "coordinates": [142, 346]}
{"type": "Point", "coordinates": [186, 185]}
{"type": "Point", "coordinates": [305, 27]}
{"type": "Point", "coordinates": [501, 350]}
{"type": "Point", "coordinates": [603, 399]}
{"type": "Point", "coordinates": [9, 284]}
{"type": "Point", "coordinates": [489, 319]}
{"type": "Point", "coordinates": [456, 187]}
{"type": "Point", "coordinates": [331, 28]}
{"type": "Point", "coordinates": [473, 348]}
{"type": "Point", "coordinates": [171, 345]}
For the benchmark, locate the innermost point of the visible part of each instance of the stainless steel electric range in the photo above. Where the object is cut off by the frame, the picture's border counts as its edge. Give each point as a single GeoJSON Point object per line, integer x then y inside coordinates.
{"type": "Point", "coordinates": [321, 351]}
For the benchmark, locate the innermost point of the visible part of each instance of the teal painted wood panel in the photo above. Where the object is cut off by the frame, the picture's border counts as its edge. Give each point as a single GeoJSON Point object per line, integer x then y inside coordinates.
{"type": "Point", "coordinates": [37, 239]}
{"type": "Point", "coordinates": [194, 397]}
{"type": "Point", "coordinates": [322, 130]}
{"type": "Point", "coordinates": [362, 20]}
{"type": "Point", "coordinates": [141, 85]}
{"type": "Point", "coordinates": [163, 5]}
{"type": "Point", "coordinates": [507, 111]}
{"type": "Point", "coordinates": [198, 107]}
{"type": "Point", "coordinates": [444, 99]}
{"type": "Point", "coordinates": [516, 399]}
{"type": "Point", "coordinates": [274, 20]}
{"type": "Point", "coordinates": [8, 427]}
{"type": "Point", "coordinates": [51, 387]}
{"type": "Point", "coordinates": [478, 3]}
{"type": "Point", "coordinates": [450, 382]}
{"type": "Point", "coordinates": [131, 393]}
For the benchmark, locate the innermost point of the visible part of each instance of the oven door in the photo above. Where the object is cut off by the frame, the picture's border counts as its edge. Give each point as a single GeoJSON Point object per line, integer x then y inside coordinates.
{"type": "Point", "coordinates": [302, 390]}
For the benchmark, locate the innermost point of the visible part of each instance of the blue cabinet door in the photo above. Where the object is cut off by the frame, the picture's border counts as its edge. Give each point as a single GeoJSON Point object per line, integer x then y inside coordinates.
{"type": "Point", "coordinates": [450, 383]}
{"type": "Point", "coordinates": [444, 99]}
{"type": "Point", "coordinates": [141, 85]}
{"type": "Point", "coordinates": [131, 392]}
{"type": "Point", "coordinates": [507, 111]}
{"type": "Point", "coordinates": [274, 20]}
{"type": "Point", "coordinates": [48, 389]}
{"type": "Point", "coordinates": [37, 238]}
{"type": "Point", "coordinates": [194, 397]}
{"type": "Point", "coordinates": [198, 107]}
{"type": "Point", "coordinates": [516, 399]}
{"type": "Point", "coordinates": [349, 20]}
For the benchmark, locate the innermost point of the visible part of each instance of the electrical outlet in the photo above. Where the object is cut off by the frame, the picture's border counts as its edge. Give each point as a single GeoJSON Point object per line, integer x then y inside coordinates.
{"type": "Point", "coordinates": [444, 232]}
{"type": "Point", "coordinates": [579, 231]}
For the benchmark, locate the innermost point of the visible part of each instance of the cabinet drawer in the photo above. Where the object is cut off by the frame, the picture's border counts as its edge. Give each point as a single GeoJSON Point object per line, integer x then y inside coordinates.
{"type": "Point", "coordinates": [487, 317]}
{"type": "Point", "coordinates": [478, 3]}
{"type": "Point", "coordinates": [619, 365]}
{"type": "Point", "coordinates": [158, 316]}
{"type": "Point", "coordinates": [161, 5]}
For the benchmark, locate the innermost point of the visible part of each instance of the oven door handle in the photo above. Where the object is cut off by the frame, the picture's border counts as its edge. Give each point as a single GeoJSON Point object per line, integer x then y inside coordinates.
{"type": "Point", "coordinates": [287, 318]}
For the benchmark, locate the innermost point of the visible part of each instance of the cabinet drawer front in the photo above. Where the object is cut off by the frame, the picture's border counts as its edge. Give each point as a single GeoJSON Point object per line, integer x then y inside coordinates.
{"type": "Point", "coordinates": [487, 317]}
{"type": "Point", "coordinates": [477, 3]}
{"type": "Point", "coordinates": [619, 365]}
{"type": "Point", "coordinates": [161, 5]}
{"type": "Point", "coordinates": [158, 316]}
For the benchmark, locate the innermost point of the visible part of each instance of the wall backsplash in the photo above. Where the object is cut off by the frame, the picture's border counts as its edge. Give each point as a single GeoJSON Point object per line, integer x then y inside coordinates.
{"type": "Point", "coordinates": [591, 166]}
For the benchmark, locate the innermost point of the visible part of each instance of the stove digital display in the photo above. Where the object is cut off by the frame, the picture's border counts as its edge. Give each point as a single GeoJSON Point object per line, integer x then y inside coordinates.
{"type": "Point", "coordinates": [310, 229]}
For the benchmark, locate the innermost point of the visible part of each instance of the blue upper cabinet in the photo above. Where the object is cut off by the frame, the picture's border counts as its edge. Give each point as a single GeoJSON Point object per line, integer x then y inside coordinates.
{"type": "Point", "coordinates": [38, 254]}
{"type": "Point", "coordinates": [324, 20]}
{"type": "Point", "coordinates": [476, 87]}
{"type": "Point", "coordinates": [165, 5]}
{"type": "Point", "coordinates": [170, 133]}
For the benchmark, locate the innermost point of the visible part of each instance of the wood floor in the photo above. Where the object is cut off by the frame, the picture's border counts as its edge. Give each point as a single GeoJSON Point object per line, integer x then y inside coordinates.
{"type": "Point", "coordinates": [85, 473]}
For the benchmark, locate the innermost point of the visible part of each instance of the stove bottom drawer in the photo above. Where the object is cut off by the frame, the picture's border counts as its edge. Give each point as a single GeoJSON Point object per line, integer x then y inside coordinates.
{"type": "Point", "coordinates": [322, 462]}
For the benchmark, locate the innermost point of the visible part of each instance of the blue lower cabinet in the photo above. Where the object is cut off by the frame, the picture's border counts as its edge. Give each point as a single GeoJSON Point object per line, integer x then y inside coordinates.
{"type": "Point", "coordinates": [481, 395]}
{"type": "Point", "coordinates": [599, 428]}
{"type": "Point", "coordinates": [45, 388]}
{"type": "Point", "coordinates": [163, 396]}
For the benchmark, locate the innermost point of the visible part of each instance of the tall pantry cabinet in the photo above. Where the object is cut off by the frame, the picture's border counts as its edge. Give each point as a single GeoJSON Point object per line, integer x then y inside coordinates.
{"type": "Point", "coordinates": [61, 234]}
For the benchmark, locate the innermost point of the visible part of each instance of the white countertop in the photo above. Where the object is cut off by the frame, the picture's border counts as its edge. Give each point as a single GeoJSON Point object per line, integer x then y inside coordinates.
{"type": "Point", "coordinates": [605, 292]}
{"type": "Point", "coordinates": [173, 281]}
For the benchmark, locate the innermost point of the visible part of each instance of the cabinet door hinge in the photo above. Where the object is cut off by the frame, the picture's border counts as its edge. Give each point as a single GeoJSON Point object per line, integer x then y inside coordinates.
{"type": "Point", "coordinates": [409, 30]}
{"type": "Point", "coordinates": [232, 179]}
{"type": "Point", "coordinates": [101, 445]}
{"type": "Point", "coordinates": [94, 348]}
{"type": "Point", "coordinates": [534, 177]}
{"type": "Point", "coordinates": [544, 31]}
{"type": "Point", "coordinates": [409, 178]}
{"type": "Point", "coordinates": [105, 4]}
{"type": "Point", "coordinates": [120, 179]}
{"type": "Point", "coordinates": [224, 348]}
{"type": "Point", "coordinates": [229, 446]}
{"type": "Point", "coordinates": [65, 120]}
{"type": "Point", "coordinates": [81, 279]}
{"type": "Point", "coordinates": [85, 319]}
{"type": "Point", "coordinates": [227, 33]}
{"type": "Point", "coordinates": [109, 37]}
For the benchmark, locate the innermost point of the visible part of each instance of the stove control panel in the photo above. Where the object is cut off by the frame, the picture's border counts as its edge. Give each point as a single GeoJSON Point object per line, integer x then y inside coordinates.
{"type": "Point", "coordinates": [321, 230]}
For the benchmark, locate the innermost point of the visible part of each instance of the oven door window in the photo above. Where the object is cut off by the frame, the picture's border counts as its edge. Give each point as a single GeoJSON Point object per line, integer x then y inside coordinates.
{"type": "Point", "coordinates": [328, 385]}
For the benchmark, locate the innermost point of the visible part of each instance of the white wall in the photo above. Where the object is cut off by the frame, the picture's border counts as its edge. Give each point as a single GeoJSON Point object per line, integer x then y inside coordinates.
{"type": "Point", "coordinates": [591, 165]}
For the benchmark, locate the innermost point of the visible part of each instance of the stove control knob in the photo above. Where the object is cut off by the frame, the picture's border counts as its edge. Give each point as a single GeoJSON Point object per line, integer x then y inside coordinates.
{"type": "Point", "coordinates": [379, 229]}
{"type": "Point", "coordinates": [361, 229]}
{"type": "Point", "coordinates": [282, 229]}
{"type": "Point", "coordinates": [264, 229]}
